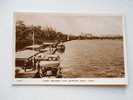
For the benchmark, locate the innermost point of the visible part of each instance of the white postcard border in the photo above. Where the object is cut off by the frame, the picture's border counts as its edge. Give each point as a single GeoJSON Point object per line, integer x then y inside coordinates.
{"type": "Point", "coordinates": [70, 81]}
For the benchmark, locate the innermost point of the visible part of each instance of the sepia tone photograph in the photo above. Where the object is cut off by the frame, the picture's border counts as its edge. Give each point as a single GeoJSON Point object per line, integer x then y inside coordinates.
{"type": "Point", "coordinates": [68, 46]}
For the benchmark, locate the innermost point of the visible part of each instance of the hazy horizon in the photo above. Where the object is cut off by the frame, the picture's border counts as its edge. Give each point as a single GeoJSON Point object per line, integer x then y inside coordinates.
{"type": "Point", "coordinates": [75, 24]}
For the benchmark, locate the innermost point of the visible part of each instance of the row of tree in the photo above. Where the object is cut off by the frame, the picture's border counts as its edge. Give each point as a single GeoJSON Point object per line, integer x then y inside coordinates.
{"type": "Point", "coordinates": [100, 37]}
{"type": "Point", "coordinates": [26, 35]}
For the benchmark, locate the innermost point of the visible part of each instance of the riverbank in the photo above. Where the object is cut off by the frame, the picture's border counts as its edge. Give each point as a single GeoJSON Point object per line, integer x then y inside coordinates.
{"type": "Point", "coordinates": [90, 59]}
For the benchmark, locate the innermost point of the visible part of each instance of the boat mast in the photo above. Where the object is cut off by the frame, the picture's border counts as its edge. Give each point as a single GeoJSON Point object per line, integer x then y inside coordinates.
{"type": "Point", "coordinates": [67, 37]}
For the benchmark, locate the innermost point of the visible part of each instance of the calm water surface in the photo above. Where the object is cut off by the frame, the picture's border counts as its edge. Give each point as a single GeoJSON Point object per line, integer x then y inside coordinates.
{"type": "Point", "coordinates": [93, 58]}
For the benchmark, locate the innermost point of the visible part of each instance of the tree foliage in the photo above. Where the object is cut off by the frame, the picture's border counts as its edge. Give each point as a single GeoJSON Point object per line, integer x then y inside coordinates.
{"type": "Point", "coordinates": [26, 35]}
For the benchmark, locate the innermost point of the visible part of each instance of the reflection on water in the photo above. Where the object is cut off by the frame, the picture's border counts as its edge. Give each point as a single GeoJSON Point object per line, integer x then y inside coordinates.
{"type": "Point", "coordinates": [93, 58]}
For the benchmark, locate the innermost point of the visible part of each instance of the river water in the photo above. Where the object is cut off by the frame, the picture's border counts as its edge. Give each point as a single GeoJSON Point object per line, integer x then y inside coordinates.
{"type": "Point", "coordinates": [92, 59]}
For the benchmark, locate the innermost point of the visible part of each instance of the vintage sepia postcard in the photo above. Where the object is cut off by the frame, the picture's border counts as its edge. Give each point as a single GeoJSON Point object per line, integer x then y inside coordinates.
{"type": "Point", "coordinates": [69, 49]}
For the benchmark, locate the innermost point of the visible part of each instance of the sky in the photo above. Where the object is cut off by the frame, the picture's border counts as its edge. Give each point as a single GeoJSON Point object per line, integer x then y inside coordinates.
{"type": "Point", "coordinates": [74, 24]}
